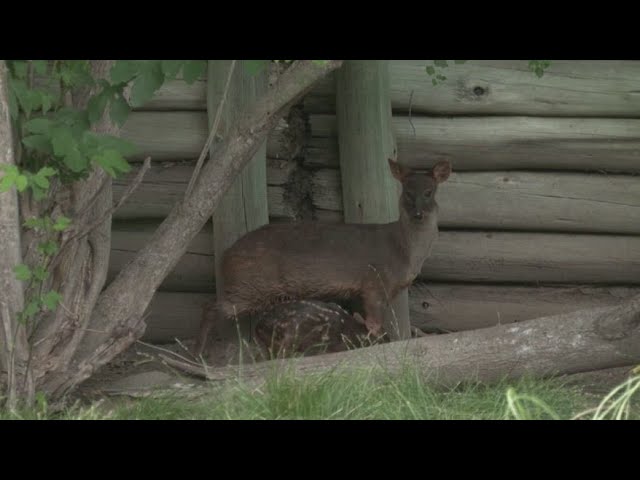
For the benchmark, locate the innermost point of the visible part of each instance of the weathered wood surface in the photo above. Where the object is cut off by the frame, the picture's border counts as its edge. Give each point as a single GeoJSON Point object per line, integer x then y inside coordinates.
{"type": "Point", "coordinates": [481, 87]}
{"type": "Point", "coordinates": [450, 307]}
{"type": "Point", "coordinates": [180, 135]}
{"type": "Point", "coordinates": [454, 307]}
{"type": "Point", "coordinates": [177, 95]}
{"type": "Point", "coordinates": [474, 256]}
{"type": "Point", "coordinates": [495, 143]}
{"type": "Point", "coordinates": [534, 201]}
{"type": "Point", "coordinates": [595, 88]}
{"type": "Point", "coordinates": [369, 193]}
{"type": "Point", "coordinates": [244, 205]}
{"type": "Point", "coordinates": [472, 143]}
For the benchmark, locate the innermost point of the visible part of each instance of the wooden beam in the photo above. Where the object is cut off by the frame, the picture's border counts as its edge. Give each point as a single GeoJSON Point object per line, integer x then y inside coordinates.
{"type": "Point", "coordinates": [369, 191]}
{"type": "Point", "coordinates": [594, 88]}
{"type": "Point", "coordinates": [458, 256]}
{"type": "Point", "coordinates": [434, 306]}
{"type": "Point", "coordinates": [497, 143]}
{"type": "Point", "coordinates": [244, 206]}
{"type": "Point", "coordinates": [502, 200]}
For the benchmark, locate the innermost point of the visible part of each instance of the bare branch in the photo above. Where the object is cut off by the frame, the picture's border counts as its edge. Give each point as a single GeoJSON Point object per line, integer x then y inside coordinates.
{"type": "Point", "coordinates": [127, 193]}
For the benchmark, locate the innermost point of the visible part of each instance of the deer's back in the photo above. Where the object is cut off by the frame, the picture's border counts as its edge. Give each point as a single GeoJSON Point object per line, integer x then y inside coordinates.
{"type": "Point", "coordinates": [306, 260]}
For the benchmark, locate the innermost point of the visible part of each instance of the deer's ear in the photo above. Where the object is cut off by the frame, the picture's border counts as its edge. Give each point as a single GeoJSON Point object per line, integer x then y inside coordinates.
{"type": "Point", "coordinates": [399, 172]}
{"type": "Point", "coordinates": [441, 171]}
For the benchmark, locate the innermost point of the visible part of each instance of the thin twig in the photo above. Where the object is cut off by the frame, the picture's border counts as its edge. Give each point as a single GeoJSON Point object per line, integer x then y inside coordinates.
{"type": "Point", "coordinates": [127, 193]}
{"type": "Point", "coordinates": [212, 133]}
{"type": "Point", "coordinates": [410, 119]}
{"type": "Point", "coordinates": [161, 349]}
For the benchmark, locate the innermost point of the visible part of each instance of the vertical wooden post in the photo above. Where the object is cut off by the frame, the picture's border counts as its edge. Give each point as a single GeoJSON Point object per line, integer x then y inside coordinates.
{"type": "Point", "coordinates": [244, 207]}
{"type": "Point", "coordinates": [366, 141]}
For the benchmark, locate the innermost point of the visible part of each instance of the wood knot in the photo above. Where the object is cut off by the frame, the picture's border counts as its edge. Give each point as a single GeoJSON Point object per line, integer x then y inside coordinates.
{"type": "Point", "coordinates": [425, 304]}
{"type": "Point", "coordinates": [479, 91]}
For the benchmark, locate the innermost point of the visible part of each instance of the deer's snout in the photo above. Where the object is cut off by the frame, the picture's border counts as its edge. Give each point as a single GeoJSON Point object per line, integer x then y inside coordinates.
{"type": "Point", "coordinates": [418, 215]}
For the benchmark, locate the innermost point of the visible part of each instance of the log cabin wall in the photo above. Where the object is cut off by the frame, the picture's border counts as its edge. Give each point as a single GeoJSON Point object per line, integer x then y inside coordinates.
{"type": "Point", "coordinates": [542, 214]}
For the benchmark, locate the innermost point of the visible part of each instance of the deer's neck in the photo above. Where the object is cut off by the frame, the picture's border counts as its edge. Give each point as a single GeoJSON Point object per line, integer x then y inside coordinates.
{"type": "Point", "coordinates": [418, 237]}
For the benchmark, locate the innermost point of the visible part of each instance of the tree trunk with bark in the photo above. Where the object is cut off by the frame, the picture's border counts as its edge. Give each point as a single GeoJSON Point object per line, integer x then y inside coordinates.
{"type": "Point", "coordinates": [92, 325]}
{"type": "Point", "coordinates": [14, 347]}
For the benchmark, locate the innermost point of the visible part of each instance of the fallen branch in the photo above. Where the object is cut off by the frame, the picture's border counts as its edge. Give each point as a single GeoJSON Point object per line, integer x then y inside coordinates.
{"type": "Point", "coordinates": [570, 343]}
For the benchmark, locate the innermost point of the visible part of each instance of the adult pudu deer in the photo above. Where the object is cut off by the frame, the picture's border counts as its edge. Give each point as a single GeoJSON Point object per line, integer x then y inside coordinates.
{"type": "Point", "coordinates": [312, 260]}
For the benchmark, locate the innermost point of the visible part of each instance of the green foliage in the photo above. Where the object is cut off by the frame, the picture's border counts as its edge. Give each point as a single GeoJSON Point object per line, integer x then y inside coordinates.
{"type": "Point", "coordinates": [58, 142]}
{"type": "Point", "coordinates": [435, 69]}
{"type": "Point", "coordinates": [539, 66]}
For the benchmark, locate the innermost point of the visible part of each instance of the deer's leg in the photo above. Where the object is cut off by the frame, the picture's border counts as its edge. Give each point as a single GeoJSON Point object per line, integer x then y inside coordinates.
{"type": "Point", "coordinates": [374, 305]}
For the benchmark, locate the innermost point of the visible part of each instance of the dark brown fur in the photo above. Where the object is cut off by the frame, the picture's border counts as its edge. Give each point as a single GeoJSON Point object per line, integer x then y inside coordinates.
{"type": "Point", "coordinates": [308, 327]}
{"type": "Point", "coordinates": [312, 260]}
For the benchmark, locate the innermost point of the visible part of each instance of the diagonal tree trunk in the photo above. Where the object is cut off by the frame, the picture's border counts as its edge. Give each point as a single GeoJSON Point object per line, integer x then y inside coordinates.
{"type": "Point", "coordinates": [117, 319]}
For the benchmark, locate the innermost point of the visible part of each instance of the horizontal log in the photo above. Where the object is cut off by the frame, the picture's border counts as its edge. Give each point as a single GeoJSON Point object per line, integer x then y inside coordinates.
{"type": "Point", "coordinates": [579, 88]}
{"type": "Point", "coordinates": [458, 256]}
{"type": "Point", "coordinates": [472, 143]}
{"type": "Point", "coordinates": [455, 307]}
{"type": "Point", "coordinates": [535, 201]}
{"type": "Point", "coordinates": [496, 143]}
{"type": "Point", "coordinates": [448, 307]}
{"type": "Point", "coordinates": [177, 95]}
{"type": "Point", "coordinates": [581, 341]}
{"type": "Point", "coordinates": [181, 135]}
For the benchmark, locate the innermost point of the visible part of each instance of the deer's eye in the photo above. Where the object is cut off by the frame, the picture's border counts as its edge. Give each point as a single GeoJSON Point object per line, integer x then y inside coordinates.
{"type": "Point", "coordinates": [427, 193]}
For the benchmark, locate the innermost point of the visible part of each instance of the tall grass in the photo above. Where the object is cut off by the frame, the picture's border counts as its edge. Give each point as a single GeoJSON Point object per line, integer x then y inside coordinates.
{"type": "Point", "coordinates": [341, 394]}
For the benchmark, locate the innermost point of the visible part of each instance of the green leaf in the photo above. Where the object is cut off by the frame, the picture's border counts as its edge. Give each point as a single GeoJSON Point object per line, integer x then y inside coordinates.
{"type": "Point", "coordinates": [48, 248]}
{"type": "Point", "coordinates": [38, 193]}
{"type": "Point", "coordinates": [39, 66]}
{"type": "Point", "coordinates": [47, 101]}
{"type": "Point", "coordinates": [430, 70]}
{"type": "Point", "coordinates": [34, 222]}
{"type": "Point", "coordinates": [170, 68]}
{"type": "Point", "coordinates": [22, 272]}
{"type": "Point", "coordinates": [6, 183]}
{"type": "Point", "coordinates": [253, 67]}
{"type": "Point", "coordinates": [62, 223]}
{"type": "Point", "coordinates": [51, 299]}
{"type": "Point", "coordinates": [441, 77]}
{"type": "Point", "coordinates": [434, 82]}
{"type": "Point", "coordinates": [112, 162]}
{"type": "Point", "coordinates": [146, 83]}
{"type": "Point", "coordinates": [97, 104]}
{"type": "Point", "coordinates": [124, 70]}
{"type": "Point", "coordinates": [75, 160]}
{"type": "Point", "coordinates": [31, 309]}
{"type": "Point", "coordinates": [47, 172]}
{"type": "Point", "coordinates": [20, 68]}
{"type": "Point", "coordinates": [440, 63]}
{"type": "Point", "coordinates": [459, 62]}
{"type": "Point", "coordinates": [320, 63]}
{"type": "Point", "coordinates": [62, 140]}
{"type": "Point", "coordinates": [119, 110]}
{"type": "Point", "coordinates": [193, 69]}
{"type": "Point", "coordinates": [21, 183]}
{"type": "Point", "coordinates": [40, 273]}
{"type": "Point", "coordinates": [40, 143]}
{"type": "Point", "coordinates": [41, 182]}
{"type": "Point", "coordinates": [124, 147]}
{"type": "Point", "coordinates": [38, 125]}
